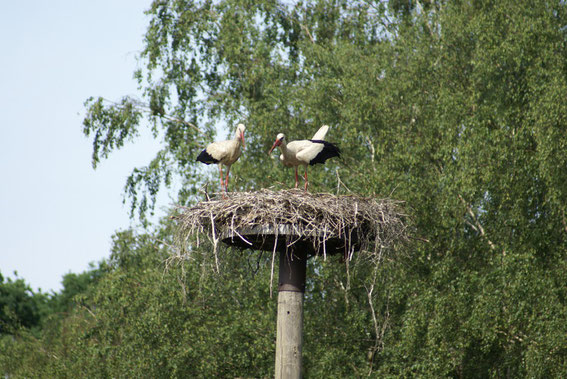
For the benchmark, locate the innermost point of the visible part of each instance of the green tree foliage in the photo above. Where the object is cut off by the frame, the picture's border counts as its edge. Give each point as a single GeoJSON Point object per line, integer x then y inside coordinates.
{"type": "Point", "coordinates": [74, 287]}
{"type": "Point", "coordinates": [20, 306]}
{"type": "Point", "coordinates": [143, 319]}
{"type": "Point", "coordinates": [457, 108]}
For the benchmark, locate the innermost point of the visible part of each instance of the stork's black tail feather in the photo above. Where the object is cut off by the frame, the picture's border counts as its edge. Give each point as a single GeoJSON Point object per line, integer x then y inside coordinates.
{"type": "Point", "coordinates": [330, 150]}
{"type": "Point", "coordinates": [206, 158]}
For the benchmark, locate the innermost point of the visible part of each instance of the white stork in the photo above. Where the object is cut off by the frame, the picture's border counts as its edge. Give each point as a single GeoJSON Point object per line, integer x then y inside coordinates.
{"type": "Point", "coordinates": [224, 153]}
{"type": "Point", "coordinates": [306, 152]}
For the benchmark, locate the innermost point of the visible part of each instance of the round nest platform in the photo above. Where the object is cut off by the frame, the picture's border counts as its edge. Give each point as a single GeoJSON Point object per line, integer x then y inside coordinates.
{"type": "Point", "coordinates": [322, 224]}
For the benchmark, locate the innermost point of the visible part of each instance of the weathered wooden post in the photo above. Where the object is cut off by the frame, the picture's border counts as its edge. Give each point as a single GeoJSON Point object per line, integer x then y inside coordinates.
{"type": "Point", "coordinates": [297, 225]}
{"type": "Point", "coordinates": [291, 288]}
{"type": "Point", "coordinates": [289, 337]}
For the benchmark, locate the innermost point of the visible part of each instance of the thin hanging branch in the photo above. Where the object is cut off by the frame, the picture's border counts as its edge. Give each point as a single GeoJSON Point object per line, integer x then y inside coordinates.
{"type": "Point", "coordinates": [145, 108]}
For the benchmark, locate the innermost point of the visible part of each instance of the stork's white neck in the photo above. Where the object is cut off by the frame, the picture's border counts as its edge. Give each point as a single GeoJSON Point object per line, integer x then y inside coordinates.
{"type": "Point", "coordinates": [283, 148]}
{"type": "Point", "coordinates": [237, 137]}
{"type": "Point", "coordinates": [285, 152]}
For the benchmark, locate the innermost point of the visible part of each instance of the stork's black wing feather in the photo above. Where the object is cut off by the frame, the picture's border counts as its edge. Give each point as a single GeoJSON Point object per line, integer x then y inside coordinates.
{"type": "Point", "coordinates": [330, 150]}
{"type": "Point", "coordinates": [206, 158]}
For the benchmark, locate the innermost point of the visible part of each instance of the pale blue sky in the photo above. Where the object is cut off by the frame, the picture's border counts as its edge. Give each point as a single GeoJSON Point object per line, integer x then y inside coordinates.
{"type": "Point", "coordinates": [56, 213]}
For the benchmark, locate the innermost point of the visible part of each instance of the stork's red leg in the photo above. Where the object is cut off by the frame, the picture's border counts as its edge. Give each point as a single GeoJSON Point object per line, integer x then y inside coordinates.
{"type": "Point", "coordinates": [221, 177]}
{"type": "Point", "coordinates": [296, 178]}
{"type": "Point", "coordinates": [306, 182]}
{"type": "Point", "coordinates": [226, 181]}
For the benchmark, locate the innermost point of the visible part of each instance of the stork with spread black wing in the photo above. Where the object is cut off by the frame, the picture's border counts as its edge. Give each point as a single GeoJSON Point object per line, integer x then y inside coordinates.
{"type": "Point", "coordinates": [306, 152]}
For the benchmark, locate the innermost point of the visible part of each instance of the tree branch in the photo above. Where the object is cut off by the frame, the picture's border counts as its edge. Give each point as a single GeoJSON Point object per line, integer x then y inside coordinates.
{"type": "Point", "coordinates": [144, 108]}
{"type": "Point", "coordinates": [477, 226]}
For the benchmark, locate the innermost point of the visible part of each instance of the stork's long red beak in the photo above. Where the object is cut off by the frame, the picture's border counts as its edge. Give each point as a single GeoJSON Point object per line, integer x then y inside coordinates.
{"type": "Point", "coordinates": [277, 143]}
{"type": "Point", "coordinates": [242, 138]}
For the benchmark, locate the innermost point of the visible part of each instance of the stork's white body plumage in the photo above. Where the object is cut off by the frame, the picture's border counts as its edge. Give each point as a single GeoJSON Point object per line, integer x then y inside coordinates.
{"type": "Point", "coordinates": [306, 152]}
{"type": "Point", "coordinates": [224, 153]}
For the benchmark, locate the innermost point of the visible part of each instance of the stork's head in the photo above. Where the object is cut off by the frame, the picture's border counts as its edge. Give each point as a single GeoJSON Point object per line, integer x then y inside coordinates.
{"type": "Point", "coordinates": [240, 133]}
{"type": "Point", "coordinates": [280, 138]}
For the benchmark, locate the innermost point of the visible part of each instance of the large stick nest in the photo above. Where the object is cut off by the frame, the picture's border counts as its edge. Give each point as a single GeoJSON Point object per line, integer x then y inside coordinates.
{"type": "Point", "coordinates": [271, 220]}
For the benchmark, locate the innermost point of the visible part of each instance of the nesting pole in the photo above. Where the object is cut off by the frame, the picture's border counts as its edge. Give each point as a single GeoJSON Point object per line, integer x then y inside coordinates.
{"type": "Point", "coordinates": [297, 225]}
{"type": "Point", "coordinates": [289, 337]}
{"type": "Point", "coordinates": [291, 288]}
